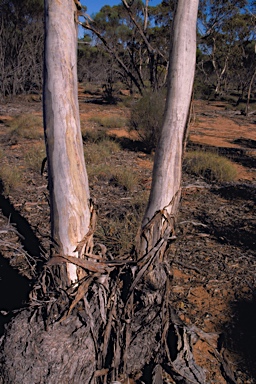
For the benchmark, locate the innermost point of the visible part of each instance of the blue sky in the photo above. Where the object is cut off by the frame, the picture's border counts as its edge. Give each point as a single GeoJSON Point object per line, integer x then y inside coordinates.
{"type": "Point", "coordinates": [94, 6]}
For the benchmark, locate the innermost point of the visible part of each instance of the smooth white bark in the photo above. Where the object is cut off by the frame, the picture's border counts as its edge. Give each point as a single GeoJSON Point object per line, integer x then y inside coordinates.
{"type": "Point", "coordinates": [68, 183]}
{"type": "Point", "coordinates": [168, 159]}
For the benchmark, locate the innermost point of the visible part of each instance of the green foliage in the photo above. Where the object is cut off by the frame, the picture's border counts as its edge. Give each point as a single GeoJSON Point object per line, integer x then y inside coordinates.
{"type": "Point", "coordinates": [136, 57]}
{"type": "Point", "coordinates": [147, 118]}
{"type": "Point", "coordinates": [226, 60]}
{"type": "Point", "coordinates": [118, 234]}
{"type": "Point", "coordinates": [92, 89]}
{"type": "Point", "coordinates": [210, 166]}
{"type": "Point", "coordinates": [99, 171]}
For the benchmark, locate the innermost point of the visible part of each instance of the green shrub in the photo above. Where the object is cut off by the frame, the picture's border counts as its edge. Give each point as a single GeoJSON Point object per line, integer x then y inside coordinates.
{"type": "Point", "coordinates": [147, 118]}
{"type": "Point", "coordinates": [210, 166]}
{"type": "Point", "coordinates": [127, 101]}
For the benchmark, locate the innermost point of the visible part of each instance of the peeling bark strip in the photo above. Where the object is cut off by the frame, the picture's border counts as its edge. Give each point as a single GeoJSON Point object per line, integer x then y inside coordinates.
{"type": "Point", "coordinates": [68, 183]}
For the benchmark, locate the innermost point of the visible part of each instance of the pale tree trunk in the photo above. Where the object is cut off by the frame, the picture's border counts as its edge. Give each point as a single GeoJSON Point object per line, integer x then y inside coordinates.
{"type": "Point", "coordinates": [249, 93]}
{"type": "Point", "coordinates": [221, 72]}
{"type": "Point", "coordinates": [145, 11]}
{"type": "Point", "coordinates": [165, 189]}
{"type": "Point", "coordinates": [68, 183]}
{"type": "Point", "coordinates": [167, 165]}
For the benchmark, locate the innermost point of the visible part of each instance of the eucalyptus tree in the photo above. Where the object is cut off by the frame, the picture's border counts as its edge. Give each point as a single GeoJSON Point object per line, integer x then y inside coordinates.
{"type": "Point", "coordinates": [225, 28]}
{"type": "Point", "coordinates": [113, 35]}
{"type": "Point", "coordinates": [241, 29]}
{"type": "Point", "coordinates": [93, 319]}
{"type": "Point", "coordinates": [137, 36]}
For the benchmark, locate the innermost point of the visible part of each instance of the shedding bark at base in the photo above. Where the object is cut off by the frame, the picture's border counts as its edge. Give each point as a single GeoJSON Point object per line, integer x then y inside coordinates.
{"type": "Point", "coordinates": [116, 323]}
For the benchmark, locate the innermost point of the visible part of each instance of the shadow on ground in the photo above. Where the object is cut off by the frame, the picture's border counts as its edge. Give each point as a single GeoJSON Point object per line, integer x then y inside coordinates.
{"type": "Point", "coordinates": [249, 143]}
{"type": "Point", "coordinates": [131, 145]}
{"type": "Point", "coordinates": [240, 335]}
{"type": "Point", "coordinates": [237, 191]}
{"type": "Point", "coordinates": [236, 235]}
{"type": "Point", "coordinates": [14, 290]}
{"type": "Point", "coordinates": [233, 223]}
{"type": "Point", "coordinates": [29, 240]}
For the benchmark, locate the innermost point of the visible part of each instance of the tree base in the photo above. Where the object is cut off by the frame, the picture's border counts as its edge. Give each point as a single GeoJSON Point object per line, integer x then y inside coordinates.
{"type": "Point", "coordinates": [115, 323]}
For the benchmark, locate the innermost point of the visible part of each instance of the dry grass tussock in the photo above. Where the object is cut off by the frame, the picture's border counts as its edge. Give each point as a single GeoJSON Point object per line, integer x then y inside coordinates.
{"type": "Point", "coordinates": [210, 166]}
{"type": "Point", "coordinates": [26, 127]}
{"type": "Point", "coordinates": [118, 232]}
{"type": "Point", "coordinates": [11, 177]}
{"type": "Point", "coordinates": [99, 160]}
{"type": "Point", "coordinates": [35, 156]}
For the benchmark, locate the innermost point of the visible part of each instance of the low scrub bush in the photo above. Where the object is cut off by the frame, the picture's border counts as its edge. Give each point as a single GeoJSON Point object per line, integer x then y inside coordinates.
{"type": "Point", "coordinates": [117, 234]}
{"type": "Point", "coordinates": [126, 101]}
{"type": "Point", "coordinates": [147, 118]}
{"type": "Point", "coordinates": [27, 127]}
{"type": "Point", "coordinates": [98, 163]}
{"type": "Point", "coordinates": [210, 166]}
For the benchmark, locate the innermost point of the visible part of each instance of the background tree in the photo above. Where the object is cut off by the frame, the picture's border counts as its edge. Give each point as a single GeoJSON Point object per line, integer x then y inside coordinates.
{"type": "Point", "coordinates": [226, 30]}
{"type": "Point", "coordinates": [128, 33]}
{"type": "Point", "coordinates": [130, 45]}
{"type": "Point", "coordinates": [21, 46]}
